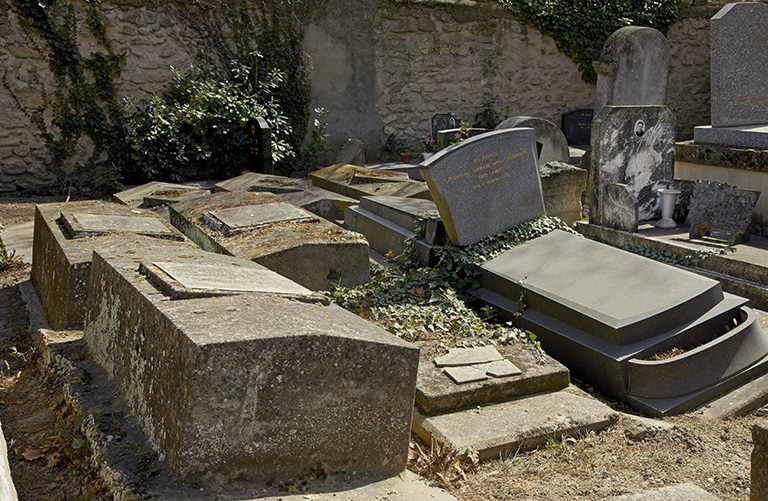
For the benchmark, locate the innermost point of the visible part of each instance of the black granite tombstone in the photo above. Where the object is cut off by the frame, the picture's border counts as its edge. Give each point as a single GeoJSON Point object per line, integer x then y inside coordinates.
{"type": "Point", "coordinates": [577, 127]}
{"type": "Point", "coordinates": [259, 145]}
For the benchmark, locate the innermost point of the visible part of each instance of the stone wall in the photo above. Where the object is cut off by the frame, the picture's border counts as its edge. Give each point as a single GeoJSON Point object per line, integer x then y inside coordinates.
{"type": "Point", "coordinates": [381, 68]}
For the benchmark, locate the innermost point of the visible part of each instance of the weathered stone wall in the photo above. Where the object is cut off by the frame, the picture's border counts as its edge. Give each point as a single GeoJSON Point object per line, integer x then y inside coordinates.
{"type": "Point", "coordinates": [381, 68]}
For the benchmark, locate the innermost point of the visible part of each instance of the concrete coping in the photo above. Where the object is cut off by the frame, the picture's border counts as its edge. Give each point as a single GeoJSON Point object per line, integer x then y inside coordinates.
{"type": "Point", "coordinates": [83, 225]}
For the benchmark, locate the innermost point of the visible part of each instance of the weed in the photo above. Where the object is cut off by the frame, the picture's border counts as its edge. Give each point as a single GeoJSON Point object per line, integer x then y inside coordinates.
{"type": "Point", "coordinates": [74, 436]}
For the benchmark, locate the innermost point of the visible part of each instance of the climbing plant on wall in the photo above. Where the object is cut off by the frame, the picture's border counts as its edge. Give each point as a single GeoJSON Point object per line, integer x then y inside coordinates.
{"type": "Point", "coordinates": [581, 27]}
{"type": "Point", "coordinates": [83, 101]}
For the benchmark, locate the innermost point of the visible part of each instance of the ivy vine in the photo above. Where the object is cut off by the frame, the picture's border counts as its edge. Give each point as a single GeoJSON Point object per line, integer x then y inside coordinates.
{"type": "Point", "coordinates": [580, 28]}
{"type": "Point", "coordinates": [84, 100]}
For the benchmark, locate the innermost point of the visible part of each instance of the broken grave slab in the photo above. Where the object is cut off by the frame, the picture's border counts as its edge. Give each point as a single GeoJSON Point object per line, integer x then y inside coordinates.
{"type": "Point", "coordinates": [300, 192]}
{"type": "Point", "coordinates": [157, 193]}
{"type": "Point", "coordinates": [356, 182]}
{"type": "Point", "coordinates": [436, 393]}
{"type": "Point", "coordinates": [65, 235]}
{"type": "Point", "coordinates": [247, 385]}
{"type": "Point", "coordinates": [287, 239]}
{"type": "Point", "coordinates": [517, 425]}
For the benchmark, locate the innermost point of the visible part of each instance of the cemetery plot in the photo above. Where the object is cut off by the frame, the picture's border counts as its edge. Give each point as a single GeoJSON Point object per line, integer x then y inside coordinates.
{"type": "Point", "coordinates": [357, 182]}
{"type": "Point", "coordinates": [253, 384]}
{"type": "Point", "coordinates": [289, 240]}
{"type": "Point", "coordinates": [602, 311]}
{"type": "Point", "coordinates": [485, 184]}
{"type": "Point", "coordinates": [65, 236]}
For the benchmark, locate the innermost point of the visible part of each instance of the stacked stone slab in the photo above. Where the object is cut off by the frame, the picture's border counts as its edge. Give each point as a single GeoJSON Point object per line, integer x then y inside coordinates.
{"type": "Point", "coordinates": [356, 182]}
{"type": "Point", "coordinates": [660, 338]}
{"type": "Point", "coordinates": [388, 222]}
{"type": "Point", "coordinates": [264, 228]}
{"type": "Point", "coordinates": [235, 372]}
{"type": "Point", "coordinates": [157, 193]}
{"type": "Point", "coordinates": [65, 236]}
{"type": "Point", "coordinates": [298, 191]}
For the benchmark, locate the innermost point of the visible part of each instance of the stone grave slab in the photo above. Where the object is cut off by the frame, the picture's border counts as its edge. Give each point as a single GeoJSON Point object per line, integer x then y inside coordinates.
{"type": "Point", "coordinates": [245, 218]}
{"type": "Point", "coordinates": [743, 136]}
{"type": "Point", "coordinates": [500, 368]}
{"type": "Point", "coordinates": [357, 182]}
{"type": "Point", "coordinates": [352, 153]}
{"type": "Point", "coordinates": [254, 181]}
{"type": "Point", "coordinates": [554, 146]}
{"type": "Point", "coordinates": [83, 225]}
{"type": "Point", "coordinates": [577, 127]}
{"type": "Point", "coordinates": [562, 186]}
{"type": "Point", "coordinates": [61, 265]}
{"type": "Point", "coordinates": [612, 317]}
{"type": "Point", "coordinates": [436, 393]}
{"type": "Point", "coordinates": [632, 145]}
{"type": "Point", "coordinates": [465, 374]}
{"type": "Point", "coordinates": [387, 222]}
{"type": "Point", "coordinates": [307, 249]}
{"type": "Point", "coordinates": [514, 426]}
{"type": "Point", "coordinates": [468, 356]}
{"type": "Point", "coordinates": [157, 193]}
{"type": "Point", "coordinates": [633, 69]}
{"type": "Point", "coordinates": [260, 386]}
{"type": "Point", "coordinates": [738, 44]}
{"type": "Point", "coordinates": [721, 211]}
{"type": "Point", "coordinates": [485, 184]}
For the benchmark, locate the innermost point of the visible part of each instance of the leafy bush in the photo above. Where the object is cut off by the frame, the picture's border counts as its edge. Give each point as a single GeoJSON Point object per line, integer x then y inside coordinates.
{"type": "Point", "coordinates": [198, 123]}
{"type": "Point", "coordinates": [581, 27]}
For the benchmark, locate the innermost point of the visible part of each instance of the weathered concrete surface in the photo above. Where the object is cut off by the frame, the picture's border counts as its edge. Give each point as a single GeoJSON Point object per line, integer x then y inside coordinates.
{"type": "Point", "coordinates": [436, 393]}
{"type": "Point", "coordinates": [313, 252]}
{"type": "Point", "coordinates": [759, 474]}
{"type": "Point", "coordinates": [562, 186]}
{"type": "Point", "coordinates": [680, 492]}
{"type": "Point", "coordinates": [517, 425]}
{"type": "Point", "coordinates": [255, 181]}
{"type": "Point", "coordinates": [157, 193]}
{"type": "Point", "coordinates": [259, 385]}
{"type": "Point", "coordinates": [61, 265]}
{"type": "Point", "coordinates": [357, 182]}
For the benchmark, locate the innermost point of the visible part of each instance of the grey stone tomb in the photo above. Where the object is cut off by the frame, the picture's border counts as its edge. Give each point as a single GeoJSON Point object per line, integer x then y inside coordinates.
{"type": "Point", "coordinates": [352, 153]}
{"type": "Point", "coordinates": [156, 193]}
{"type": "Point", "coordinates": [722, 211]}
{"type": "Point", "coordinates": [259, 145]}
{"type": "Point", "coordinates": [485, 184]}
{"type": "Point", "coordinates": [663, 339]}
{"type": "Point", "coordinates": [246, 376]}
{"type": "Point", "coordinates": [562, 185]}
{"type": "Point", "coordinates": [631, 145]}
{"type": "Point", "coordinates": [554, 146]}
{"type": "Point", "coordinates": [633, 69]}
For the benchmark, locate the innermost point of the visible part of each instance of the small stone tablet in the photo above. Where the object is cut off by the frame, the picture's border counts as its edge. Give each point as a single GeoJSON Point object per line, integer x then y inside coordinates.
{"type": "Point", "coordinates": [467, 374]}
{"type": "Point", "coordinates": [501, 368]}
{"type": "Point", "coordinates": [251, 216]}
{"type": "Point", "coordinates": [230, 278]}
{"type": "Point", "coordinates": [468, 356]}
{"type": "Point", "coordinates": [80, 225]}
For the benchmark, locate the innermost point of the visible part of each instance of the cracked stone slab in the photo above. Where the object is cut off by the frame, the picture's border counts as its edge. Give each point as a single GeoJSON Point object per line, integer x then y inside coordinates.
{"type": "Point", "coordinates": [237, 219]}
{"type": "Point", "coordinates": [468, 356]}
{"type": "Point", "coordinates": [499, 368]}
{"type": "Point", "coordinates": [82, 225]}
{"type": "Point", "coordinates": [465, 374]}
{"type": "Point", "coordinates": [230, 278]}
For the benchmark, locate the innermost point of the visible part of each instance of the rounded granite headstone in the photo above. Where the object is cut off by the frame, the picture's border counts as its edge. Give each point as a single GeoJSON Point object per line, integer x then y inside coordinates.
{"type": "Point", "coordinates": [554, 145]}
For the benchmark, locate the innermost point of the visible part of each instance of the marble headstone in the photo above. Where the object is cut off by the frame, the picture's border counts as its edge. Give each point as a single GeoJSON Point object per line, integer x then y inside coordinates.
{"type": "Point", "coordinates": [721, 210]}
{"type": "Point", "coordinates": [486, 184]}
{"type": "Point", "coordinates": [632, 145]}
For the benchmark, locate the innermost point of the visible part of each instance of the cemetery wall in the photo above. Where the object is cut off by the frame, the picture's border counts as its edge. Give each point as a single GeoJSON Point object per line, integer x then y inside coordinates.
{"type": "Point", "coordinates": [381, 68]}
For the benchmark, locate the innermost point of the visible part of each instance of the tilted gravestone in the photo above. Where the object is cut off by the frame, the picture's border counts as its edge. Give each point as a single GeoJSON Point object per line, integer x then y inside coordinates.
{"type": "Point", "coordinates": [485, 184]}
{"type": "Point", "coordinates": [721, 211]}
{"type": "Point", "coordinates": [554, 146]}
{"type": "Point", "coordinates": [633, 69]}
{"type": "Point", "coordinates": [272, 232]}
{"type": "Point", "coordinates": [443, 121]}
{"type": "Point", "coordinates": [577, 127]}
{"type": "Point", "coordinates": [259, 145]}
{"type": "Point", "coordinates": [237, 373]}
{"type": "Point", "coordinates": [352, 153]}
{"type": "Point", "coordinates": [65, 236]}
{"type": "Point", "coordinates": [635, 146]}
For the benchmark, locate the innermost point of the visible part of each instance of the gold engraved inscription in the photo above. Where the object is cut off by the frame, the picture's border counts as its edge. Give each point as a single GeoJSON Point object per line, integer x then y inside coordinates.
{"type": "Point", "coordinates": [488, 169]}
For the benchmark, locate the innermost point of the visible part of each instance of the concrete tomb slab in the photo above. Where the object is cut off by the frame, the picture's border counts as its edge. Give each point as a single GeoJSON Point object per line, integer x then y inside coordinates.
{"type": "Point", "coordinates": [635, 146]}
{"type": "Point", "coordinates": [61, 264]}
{"type": "Point", "coordinates": [485, 184]}
{"type": "Point", "coordinates": [297, 244]}
{"type": "Point", "coordinates": [157, 193]}
{"type": "Point", "coordinates": [356, 182]}
{"type": "Point", "coordinates": [352, 153]}
{"type": "Point", "coordinates": [499, 368]}
{"type": "Point", "coordinates": [562, 186]}
{"type": "Point", "coordinates": [254, 181]}
{"type": "Point", "coordinates": [248, 386]}
{"type": "Point", "coordinates": [468, 356]}
{"type": "Point", "coordinates": [720, 210]}
{"type": "Point", "coordinates": [620, 321]}
{"type": "Point", "coordinates": [554, 145]}
{"type": "Point", "coordinates": [465, 374]}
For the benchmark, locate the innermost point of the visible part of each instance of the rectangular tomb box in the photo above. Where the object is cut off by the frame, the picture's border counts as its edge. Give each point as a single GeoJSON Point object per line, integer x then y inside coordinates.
{"type": "Point", "coordinates": [65, 236]}
{"type": "Point", "coordinates": [157, 193]}
{"type": "Point", "coordinates": [486, 184]}
{"type": "Point", "coordinates": [356, 182]}
{"type": "Point", "coordinates": [247, 375]}
{"type": "Point", "coordinates": [287, 239]}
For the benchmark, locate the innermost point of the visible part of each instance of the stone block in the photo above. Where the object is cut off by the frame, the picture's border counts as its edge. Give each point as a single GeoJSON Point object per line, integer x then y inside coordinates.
{"type": "Point", "coordinates": [738, 45]}
{"type": "Point", "coordinates": [721, 211]}
{"type": "Point", "coordinates": [353, 153]}
{"type": "Point", "coordinates": [357, 182]}
{"type": "Point", "coordinates": [157, 193]}
{"type": "Point", "coordinates": [562, 186]}
{"type": "Point", "coordinates": [247, 376]}
{"type": "Point", "coordinates": [254, 181]}
{"type": "Point", "coordinates": [61, 259]}
{"type": "Point", "coordinates": [553, 145]}
{"type": "Point", "coordinates": [485, 184]}
{"type": "Point", "coordinates": [632, 145]}
{"type": "Point", "coordinates": [262, 227]}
